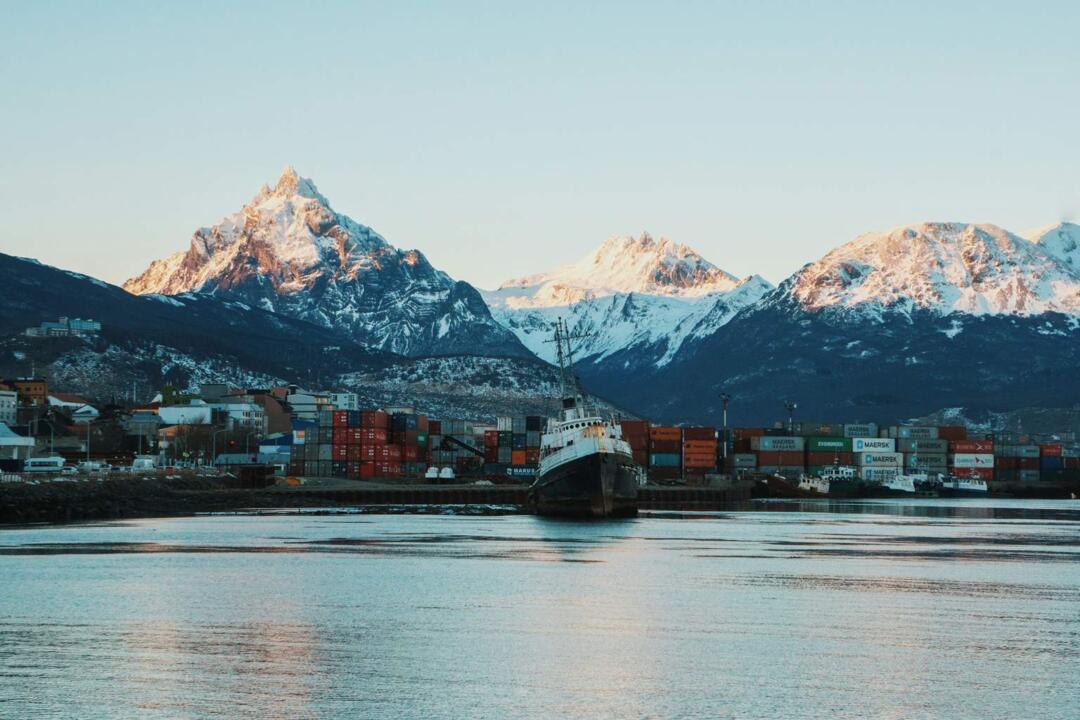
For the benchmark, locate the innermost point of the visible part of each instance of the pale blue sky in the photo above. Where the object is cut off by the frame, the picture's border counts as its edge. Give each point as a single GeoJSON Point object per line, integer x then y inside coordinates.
{"type": "Point", "coordinates": [503, 138]}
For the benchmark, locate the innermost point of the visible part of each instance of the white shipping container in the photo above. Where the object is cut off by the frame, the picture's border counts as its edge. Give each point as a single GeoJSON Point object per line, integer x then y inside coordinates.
{"type": "Point", "coordinates": [878, 474]}
{"type": "Point", "coordinates": [972, 460]}
{"type": "Point", "coordinates": [889, 459]}
{"type": "Point", "coordinates": [873, 444]}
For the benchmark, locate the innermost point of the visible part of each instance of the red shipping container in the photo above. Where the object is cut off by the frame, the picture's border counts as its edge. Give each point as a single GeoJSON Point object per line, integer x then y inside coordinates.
{"type": "Point", "coordinates": [665, 446]}
{"type": "Point", "coordinates": [409, 453]}
{"type": "Point", "coordinates": [700, 462]}
{"type": "Point", "coordinates": [491, 454]}
{"type": "Point", "coordinates": [374, 419]}
{"type": "Point", "coordinates": [341, 435]}
{"type": "Point", "coordinates": [341, 418]}
{"type": "Point", "coordinates": [699, 433]}
{"type": "Point", "coordinates": [1050, 450]}
{"type": "Point", "coordinates": [982, 473]}
{"type": "Point", "coordinates": [1026, 463]}
{"type": "Point", "coordinates": [952, 432]}
{"type": "Point", "coordinates": [786, 459]}
{"type": "Point", "coordinates": [422, 423]}
{"type": "Point", "coordinates": [340, 452]}
{"type": "Point", "coordinates": [830, 458]}
{"type": "Point", "coordinates": [532, 457]}
{"type": "Point", "coordinates": [1007, 463]}
{"type": "Point", "coordinates": [1071, 463]}
{"type": "Point", "coordinates": [700, 445]}
{"type": "Point", "coordinates": [972, 446]}
{"type": "Point", "coordinates": [517, 457]}
{"type": "Point", "coordinates": [353, 453]}
{"type": "Point", "coordinates": [353, 470]}
{"type": "Point", "coordinates": [434, 427]}
{"type": "Point", "coordinates": [491, 438]}
{"type": "Point", "coordinates": [373, 436]}
{"type": "Point", "coordinates": [742, 446]}
{"type": "Point", "coordinates": [367, 470]}
{"type": "Point", "coordinates": [392, 452]}
{"type": "Point", "coordinates": [634, 427]}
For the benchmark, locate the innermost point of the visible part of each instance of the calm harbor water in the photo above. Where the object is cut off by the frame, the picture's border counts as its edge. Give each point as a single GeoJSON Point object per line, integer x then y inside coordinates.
{"type": "Point", "coordinates": [889, 609]}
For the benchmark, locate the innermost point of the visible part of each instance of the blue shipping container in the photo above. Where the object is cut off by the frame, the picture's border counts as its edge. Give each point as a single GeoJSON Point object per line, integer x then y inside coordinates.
{"type": "Point", "coordinates": [665, 460]}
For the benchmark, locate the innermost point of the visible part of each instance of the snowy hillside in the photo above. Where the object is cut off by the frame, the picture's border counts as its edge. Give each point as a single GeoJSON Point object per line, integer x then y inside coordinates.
{"type": "Point", "coordinates": [631, 293]}
{"type": "Point", "coordinates": [287, 251]}
{"type": "Point", "coordinates": [943, 268]}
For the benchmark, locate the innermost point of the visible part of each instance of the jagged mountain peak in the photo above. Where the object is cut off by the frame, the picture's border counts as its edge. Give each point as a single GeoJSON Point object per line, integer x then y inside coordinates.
{"type": "Point", "coordinates": [289, 252]}
{"type": "Point", "coordinates": [1062, 240]}
{"type": "Point", "coordinates": [942, 267]}
{"type": "Point", "coordinates": [621, 264]}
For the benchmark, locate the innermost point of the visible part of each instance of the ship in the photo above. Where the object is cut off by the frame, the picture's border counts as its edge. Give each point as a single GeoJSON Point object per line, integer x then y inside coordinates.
{"type": "Point", "coordinates": [966, 486]}
{"type": "Point", "coordinates": [586, 468]}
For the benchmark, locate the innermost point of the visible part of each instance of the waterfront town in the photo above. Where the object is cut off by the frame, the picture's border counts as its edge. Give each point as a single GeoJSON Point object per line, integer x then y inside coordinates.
{"type": "Point", "coordinates": [291, 434]}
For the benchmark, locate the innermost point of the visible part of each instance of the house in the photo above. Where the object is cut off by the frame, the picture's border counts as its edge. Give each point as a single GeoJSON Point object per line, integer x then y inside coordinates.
{"type": "Point", "coordinates": [9, 407]}
{"type": "Point", "coordinates": [81, 411]}
{"type": "Point", "coordinates": [31, 391]}
{"type": "Point", "coordinates": [345, 401]}
{"type": "Point", "coordinates": [242, 415]}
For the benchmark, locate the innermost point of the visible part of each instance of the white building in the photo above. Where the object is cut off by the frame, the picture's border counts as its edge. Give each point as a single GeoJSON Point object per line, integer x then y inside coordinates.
{"type": "Point", "coordinates": [9, 407]}
{"type": "Point", "coordinates": [306, 406]}
{"type": "Point", "coordinates": [14, 446]}
{"type": "Point", "coordinates": [345, 401]}
{"type": "Point", "coordinates": [248, 416]}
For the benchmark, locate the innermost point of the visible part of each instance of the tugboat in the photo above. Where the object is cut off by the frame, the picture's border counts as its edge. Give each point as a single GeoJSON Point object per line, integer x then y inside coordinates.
{"type": "Point", "coordinates": [957, 486]}
{"type": "Point", "coordinates": [586, 468]}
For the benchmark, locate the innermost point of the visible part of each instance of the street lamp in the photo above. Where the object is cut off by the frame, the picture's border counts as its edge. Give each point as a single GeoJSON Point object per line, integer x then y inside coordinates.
{"type": "Point", "coordinates": [791, 408]}
{"type": "Point", "coordinates": [213, 445]}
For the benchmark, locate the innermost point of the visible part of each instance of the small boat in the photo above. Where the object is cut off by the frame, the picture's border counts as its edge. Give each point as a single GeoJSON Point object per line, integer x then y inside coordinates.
{"type": "Point", "coordinates": [901, 484]}
{"type": "Point", "coordinates": [814, 484]}
{"type": "Point", "coordinates": [964, 486]}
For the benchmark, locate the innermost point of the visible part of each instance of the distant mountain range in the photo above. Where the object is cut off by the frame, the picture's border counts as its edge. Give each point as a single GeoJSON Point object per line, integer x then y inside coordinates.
{"type": "Point", "coordinates": [887, 326]}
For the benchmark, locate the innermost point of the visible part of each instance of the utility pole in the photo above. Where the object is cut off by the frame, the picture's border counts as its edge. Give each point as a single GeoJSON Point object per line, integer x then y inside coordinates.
{"type": "Point", "coordinates": [725, 398]}
{"type": "Point", "coordinates": [791, 408]}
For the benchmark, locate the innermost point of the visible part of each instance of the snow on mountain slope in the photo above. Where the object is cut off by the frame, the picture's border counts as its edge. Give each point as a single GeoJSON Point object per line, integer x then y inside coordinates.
{"type": "Point", "coordinates": [631, 293]}
{"type": "Point", "coordinates": [287, 251]}
{"type": "Point", "coordinates": [941, 267]}
{"type": "Point", "coordinates": [621, 265]}
{"type": "Point", "coordinates": [1061, 240]}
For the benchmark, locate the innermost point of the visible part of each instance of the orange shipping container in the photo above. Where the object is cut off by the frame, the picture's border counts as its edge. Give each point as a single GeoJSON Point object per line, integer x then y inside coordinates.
{"type": "Point", "coordinates": [518, 457]}
{"type": "Point", "coordinates": [660, 432]}
{"type": "Point", "coordinates": [699, 433]}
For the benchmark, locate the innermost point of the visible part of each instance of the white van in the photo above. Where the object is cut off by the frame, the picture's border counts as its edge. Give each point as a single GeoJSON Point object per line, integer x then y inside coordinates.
{"type": "Point", "coordinates": [54, 464]}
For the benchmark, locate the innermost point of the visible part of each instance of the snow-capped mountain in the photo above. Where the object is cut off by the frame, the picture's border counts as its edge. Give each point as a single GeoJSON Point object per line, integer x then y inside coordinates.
{"type": "Point", "coordinates": [289, 252]}
{"type": "Point", "coordinates": [631, 294]}
{"type": "Point", "coordinates": [889, 326]}
{"type": "Point", "coordinates": [946, 268]}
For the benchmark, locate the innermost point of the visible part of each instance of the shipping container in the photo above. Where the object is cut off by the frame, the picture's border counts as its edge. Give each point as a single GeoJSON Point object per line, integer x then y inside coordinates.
{"type": "Point", "coordinates": [1020, 451]}
{"type": "Point", "coordinates": [971, 460]}
{"type": "Point", "coordinates": [789, 458]}
{"type": "Point", "coordinates": [886, 445]}
{"type": "Point", "coordinates": [1051, 462]}
{"type": "Point", "coordinates": [909, 445]}
{"type": "Point", "coordinates": [889, 459]}
{"type": "Point", "coordinates": [665, 446]}
{"type": "Point", "coordinates": [660, 432]}
{"type": "Point", "coordinates": [665, 460]}
{"type": "Point", "coordinates": [777, 443]}
{"type": "Point", "coordinates": [972, 446]}
{"type": "Point", "coordinates": [912, 431]}
{"type": "Point", "coordinates": [341, 418]}
{"type": "Point", "coordinates": [744, 460]}
{"type": "Point", "coordinates": [819, 429]}
{"type": "Point", "coordinates": [861, 430]}
{"type": "Point", "coordinates": [1050, 451]}
{"type": "Point", "coordinates": [952, 432]}
{"type": "Point", "coordinates": [375, 419]}
{"type": "Point", "coordinates": [504, 424]}
{"type": "Point", "coordinates": [926, 461]}
{"type": "Point", "coordinates": [878, 474]}
{"type": "Point", "coordinates": [1028, 475]}
{"type": "Point", "coordinates": [699, 433]}
{"type": "Point", "coordinates": [827, 444]}
{"type": "Point", "coordinates": [517, 457]}
{"type": "Point", "coordinates": [532, 439]}
{"type": "Point", "coordinates": [534, 423]}
{"type": "Point", "coordinates": [830, 458]}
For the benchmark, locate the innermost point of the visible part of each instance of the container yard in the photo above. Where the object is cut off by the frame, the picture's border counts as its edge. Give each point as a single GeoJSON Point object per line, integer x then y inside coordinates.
{"type": "Point", "coordinates": [375, 444]}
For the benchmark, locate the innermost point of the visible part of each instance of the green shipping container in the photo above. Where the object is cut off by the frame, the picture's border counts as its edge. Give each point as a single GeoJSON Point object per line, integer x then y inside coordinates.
{"type": "Point", "coordinates": [827, 444]}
